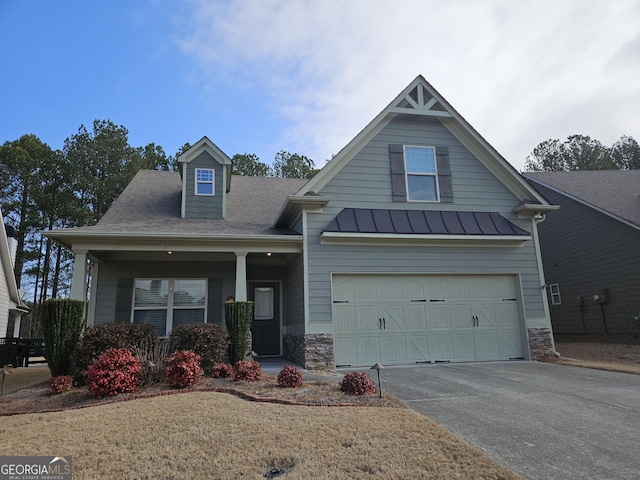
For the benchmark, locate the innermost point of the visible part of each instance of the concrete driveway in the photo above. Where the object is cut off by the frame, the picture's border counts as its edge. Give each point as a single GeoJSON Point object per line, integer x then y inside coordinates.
{"type": "Point", "coordinates": [544, 421]}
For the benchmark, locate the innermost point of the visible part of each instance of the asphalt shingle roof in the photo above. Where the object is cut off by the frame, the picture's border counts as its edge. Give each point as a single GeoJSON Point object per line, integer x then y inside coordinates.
{"type": "Point", "coordinates": [151, 203]}
{"type": "Point", "coordinates": [614, 191]}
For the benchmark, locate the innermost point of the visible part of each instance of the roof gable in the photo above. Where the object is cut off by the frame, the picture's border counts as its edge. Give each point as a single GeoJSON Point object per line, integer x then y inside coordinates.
{"type": "Point", "coordinates": [613, 192]}
{"type": "Point", "coordinates": [420, 98]}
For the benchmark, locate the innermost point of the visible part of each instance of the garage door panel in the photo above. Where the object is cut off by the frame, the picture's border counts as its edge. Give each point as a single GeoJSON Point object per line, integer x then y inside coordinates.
{"type": "Point", "coordinates": [426, 318]}
{"type": "Point", "coordinates": [369, 349]}
{"type": "Point", "coordinates": [345, 318]}
{"type": "Point", "coordinates": [367, 317]}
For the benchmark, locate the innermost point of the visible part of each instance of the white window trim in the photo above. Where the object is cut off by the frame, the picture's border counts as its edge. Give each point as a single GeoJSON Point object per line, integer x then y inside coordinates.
{"type": "Point", "coordinates": [169, 307]}
{"type": "Point", "coordinates": [554, 291]}
{"type": "Point", "coordinates": [197, 182]}
{"type": "Point", "coordinates": [434, 175]}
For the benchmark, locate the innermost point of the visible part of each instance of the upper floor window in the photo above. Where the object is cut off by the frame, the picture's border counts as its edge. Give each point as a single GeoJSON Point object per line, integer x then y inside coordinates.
{"type": "Point", "coordinates": [204, 181]}
{"type": "Point", "coordinates": [421, 173]}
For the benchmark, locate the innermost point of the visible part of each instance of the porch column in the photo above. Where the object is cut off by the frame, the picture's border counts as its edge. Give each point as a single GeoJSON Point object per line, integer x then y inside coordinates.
{"type": "Point", "coordinates": [79, 279]}
{"type": "Point", "coordinates": [241, 276]}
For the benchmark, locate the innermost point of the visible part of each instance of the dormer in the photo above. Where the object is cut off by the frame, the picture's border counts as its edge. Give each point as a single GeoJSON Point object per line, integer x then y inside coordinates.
{"type": "Point", "coordinates": [206, 179]}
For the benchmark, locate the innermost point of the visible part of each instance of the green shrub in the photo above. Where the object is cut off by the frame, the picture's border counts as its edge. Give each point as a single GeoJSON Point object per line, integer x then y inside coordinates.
{"type": "Point", "coordinates": [100, 338]}
{"type": "Point", "coordinates": [62, 324]}
{"type": "Point", "coordinates": [209, 340]}
{"type": "Point", "coordinates": [115, 371]}
{"type": "Point", "coordinates": [238, 316]}
{"type": "Point", "coordinates": [357, 383]}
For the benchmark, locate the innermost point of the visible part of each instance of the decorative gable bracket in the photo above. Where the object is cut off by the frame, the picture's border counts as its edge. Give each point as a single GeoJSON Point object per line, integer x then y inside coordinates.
{"type": "Point", "coordinates": [420, 102]}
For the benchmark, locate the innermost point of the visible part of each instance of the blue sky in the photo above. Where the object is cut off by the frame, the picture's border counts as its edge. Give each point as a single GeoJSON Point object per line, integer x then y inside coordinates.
{"type": "Point", "coordinates": [258, 76]}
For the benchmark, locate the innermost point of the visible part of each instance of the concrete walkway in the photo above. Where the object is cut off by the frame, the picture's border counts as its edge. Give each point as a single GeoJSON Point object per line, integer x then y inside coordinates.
{"type": "Point", "coordinates": [544, 421]}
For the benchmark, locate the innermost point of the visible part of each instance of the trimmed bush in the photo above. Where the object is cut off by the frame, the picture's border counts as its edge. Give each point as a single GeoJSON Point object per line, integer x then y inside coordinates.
{"type": "Point", "coordinates": [222, 370]}
{"type": "Point", "coordinates": [247, 370]}
{"type": "Point", "coordinates": [182, 369]}
{"type": "Point", "coordinates": [62, 324]}
{"type": "Point", "coordinates": [116, 371]}
{"type": "Point", "coordinates": [357, 383]}
{"type": "Point", "coordinates": [60, 384]}
{"type": "Point", "coordinates": [209, 340]}
{"type": "Point", "coordinates": [100, 338]}
{"type": "Point", "coordinates": [238, 316]}
{"type": "Point", "coordinates": [290, 377]}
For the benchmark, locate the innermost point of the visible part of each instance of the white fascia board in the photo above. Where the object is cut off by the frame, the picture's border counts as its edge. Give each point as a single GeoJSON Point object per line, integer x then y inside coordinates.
{"type": "Point", "coordinates": [294, 205]}
{"type": "Point", "coordinates": [7, 264]}
{"type": "Point", "coordinates": [396, 239]}
{"type": "Point", "coordinates": [530, 210]}
{"type": "Point", "coordinates": [204, 144]}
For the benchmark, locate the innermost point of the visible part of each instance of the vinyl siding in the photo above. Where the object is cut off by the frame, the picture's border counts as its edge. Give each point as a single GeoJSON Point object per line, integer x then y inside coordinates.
{"type": "Point", "coordinates": [365, 182]}
{"type": "Point", "coordinates": [203, 206]}
{"type": "Point", "coordinates": [584, 252]}
{"type": "Point", "coordinates": [4, 303]}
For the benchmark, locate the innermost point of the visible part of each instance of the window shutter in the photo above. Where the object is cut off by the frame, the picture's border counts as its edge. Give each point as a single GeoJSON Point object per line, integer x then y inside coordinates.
{"type": "Point", "coordinates": [444, 175]}
{"type": "Point", "coordinates": [398, 183]}
{"type": "Point", "coordinates": [214, 301]}
{"type": "Point", "coordinates": [124, 299]}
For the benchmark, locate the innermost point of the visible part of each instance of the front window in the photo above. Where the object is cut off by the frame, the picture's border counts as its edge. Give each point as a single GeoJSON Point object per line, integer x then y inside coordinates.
{"type": "Point", "coordinates": [204, 181]}
{"type": "Point", "coordinates": [421, 173]}
{"type": "Point", "coordinates": [165, 304]}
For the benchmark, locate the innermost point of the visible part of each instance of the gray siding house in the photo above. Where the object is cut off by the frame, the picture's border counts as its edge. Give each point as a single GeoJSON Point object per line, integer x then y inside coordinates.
{"type": "Point", "coordinates": [591, 250]}
{"type": "Point", "coordinates": [417, 243]}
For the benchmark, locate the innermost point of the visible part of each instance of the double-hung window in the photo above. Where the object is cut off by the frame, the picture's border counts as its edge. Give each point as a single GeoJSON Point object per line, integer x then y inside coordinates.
{"type": "Point", "coordinates": [204, 181]}
{"type": "Point", "coordinates": [421, 173]}
{"type": "Point", "coordinates": [555, 294]}
{"type": "Point", "coordinates": [166, 303]}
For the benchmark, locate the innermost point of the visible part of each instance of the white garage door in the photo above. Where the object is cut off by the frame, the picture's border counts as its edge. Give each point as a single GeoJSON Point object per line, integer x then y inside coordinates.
{"type": "Point", "coordinates": [401, 319]}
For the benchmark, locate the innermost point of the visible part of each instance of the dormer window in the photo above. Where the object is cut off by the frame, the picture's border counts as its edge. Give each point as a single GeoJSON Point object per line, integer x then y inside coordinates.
{"type": "Point", "coordinates": [204, 181]}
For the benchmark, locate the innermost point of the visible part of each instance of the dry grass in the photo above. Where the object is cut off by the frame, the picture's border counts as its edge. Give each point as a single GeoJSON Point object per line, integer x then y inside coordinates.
{"type": "Point", "coordinates": [613, 353]}
{"type": "Point", "coordinates": [216, 435]}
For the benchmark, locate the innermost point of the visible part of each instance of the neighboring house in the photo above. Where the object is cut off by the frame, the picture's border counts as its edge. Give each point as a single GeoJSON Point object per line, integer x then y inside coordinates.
{"type": "Point", "coordinates": [591, 250]}
{"type": "Point", "coordinates": [416, 243]}
{"type": "Point", "coordinates": [11, 305]}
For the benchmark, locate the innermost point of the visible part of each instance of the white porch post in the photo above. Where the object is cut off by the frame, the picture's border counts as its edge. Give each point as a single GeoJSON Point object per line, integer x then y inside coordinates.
{"type": "Point", "coordinates": [79, 279]}
{"type": "Point", "coordinates": [241, 276]}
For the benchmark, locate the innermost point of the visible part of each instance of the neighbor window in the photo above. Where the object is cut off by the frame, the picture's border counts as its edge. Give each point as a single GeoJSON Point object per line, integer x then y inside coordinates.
{"type": "Point", "coordinates": [421, 173]}
{"type": "Point", "coordinates": [554, 289]}
{"type": "Point", "coordinates": [165, 304]}
{"type": "Point", "coordinates": [204, 181]}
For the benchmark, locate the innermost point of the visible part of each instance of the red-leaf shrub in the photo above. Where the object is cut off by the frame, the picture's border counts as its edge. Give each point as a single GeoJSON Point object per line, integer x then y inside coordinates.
{"type": "Point", "coordinates": [247, 370]}
{"type": "Point", "coordinates": [182, 369]}
{"type": "Point", "coordinates": [290, 377]}
{"type": "Point", "coordinates": [222, 370]}
{"type": "Point", "coordinates": [357, 383]}
{"type": "Point", "coordinates": [115, 371]}
{"type": "Point", "coordinates": [61, 383]}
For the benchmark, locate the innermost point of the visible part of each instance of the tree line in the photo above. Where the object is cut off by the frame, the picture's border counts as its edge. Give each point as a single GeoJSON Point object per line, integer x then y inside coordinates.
{"type": "Point", "coordinates": [581, 152]}
{"type": "Point", "coordinates": [45, 189]}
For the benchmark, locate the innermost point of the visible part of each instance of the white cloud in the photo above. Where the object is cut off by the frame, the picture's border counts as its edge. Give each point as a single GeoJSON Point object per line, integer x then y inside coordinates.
{"type": "Point", "coordinates": [519, 72]}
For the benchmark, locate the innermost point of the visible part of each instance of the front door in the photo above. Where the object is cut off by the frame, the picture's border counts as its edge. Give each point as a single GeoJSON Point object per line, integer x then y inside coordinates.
{"type": "Point", "coordinates": [265, 328]}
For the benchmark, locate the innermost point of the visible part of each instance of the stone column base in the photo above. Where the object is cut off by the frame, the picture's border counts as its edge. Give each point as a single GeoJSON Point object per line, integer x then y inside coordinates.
{"type": "Point", "coordinates": [540, 343]}
{"type": "Point", "coordinates": [311, 351]}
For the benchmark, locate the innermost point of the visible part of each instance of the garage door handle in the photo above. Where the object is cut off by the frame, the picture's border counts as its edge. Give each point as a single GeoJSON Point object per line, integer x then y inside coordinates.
{"type": "Point", "coordinates": [384, 323]}
{"type": "Point", "coordinates": [379, 324]}
{"type": "Point", "coordinates": [476, 322]}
